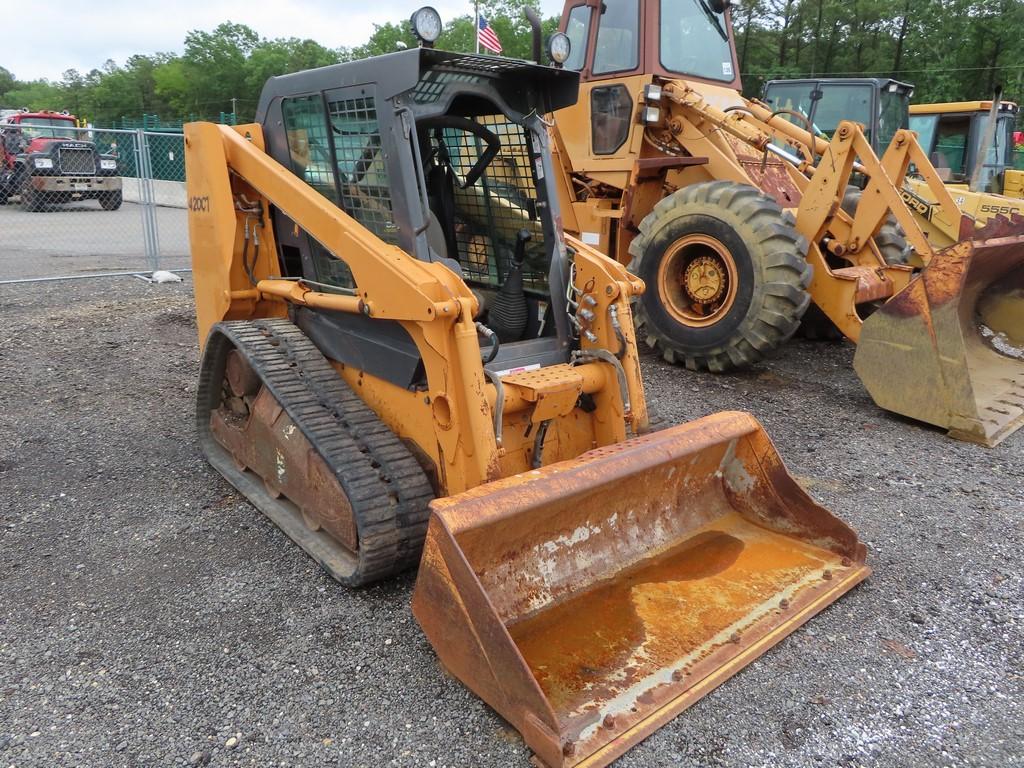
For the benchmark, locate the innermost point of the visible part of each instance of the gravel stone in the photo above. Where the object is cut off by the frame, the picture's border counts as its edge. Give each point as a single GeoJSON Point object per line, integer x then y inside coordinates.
{"type": "Point", "coordinates": [195, 619]}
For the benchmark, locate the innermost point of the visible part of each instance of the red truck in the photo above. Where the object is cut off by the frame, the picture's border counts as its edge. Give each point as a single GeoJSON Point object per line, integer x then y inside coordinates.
{"type": "Point", "coordinates": [45, 163]}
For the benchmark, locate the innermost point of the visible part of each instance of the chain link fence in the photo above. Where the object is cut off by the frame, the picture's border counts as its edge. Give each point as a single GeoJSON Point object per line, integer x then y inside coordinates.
{"type": "Point", "coordinates": [75, 202]}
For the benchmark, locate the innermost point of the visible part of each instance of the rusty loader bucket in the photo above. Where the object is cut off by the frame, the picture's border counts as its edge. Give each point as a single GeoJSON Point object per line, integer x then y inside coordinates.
{"type": "Point", "coordinates": [949, 348]}
{"type": "Point", "coordinates": [591, 601]}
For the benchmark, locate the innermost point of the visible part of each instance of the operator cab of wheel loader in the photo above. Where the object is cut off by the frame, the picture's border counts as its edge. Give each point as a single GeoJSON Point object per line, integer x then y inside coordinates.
{"type": "Point", "coordinates": [953, 135]}
{"type": "Point", "coordinates": [879, 104]}
{"type": "Point", "coordinates": [959, 136]}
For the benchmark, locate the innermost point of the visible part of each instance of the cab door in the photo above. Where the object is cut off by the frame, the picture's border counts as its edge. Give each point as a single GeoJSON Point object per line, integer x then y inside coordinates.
{"type": "Point", "coordinates": [600, 131]}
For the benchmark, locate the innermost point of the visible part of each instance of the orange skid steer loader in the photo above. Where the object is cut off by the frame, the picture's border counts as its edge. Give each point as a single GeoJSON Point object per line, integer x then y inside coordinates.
{"type": "Point", "coordinates": [402, 353]}
{"type": "Point", "coordinates": [743, 224]}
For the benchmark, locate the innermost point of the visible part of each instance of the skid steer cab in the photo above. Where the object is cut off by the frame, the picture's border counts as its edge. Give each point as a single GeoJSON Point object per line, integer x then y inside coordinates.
{"type": "Point", "coordinates": [743, 220]}
{"type": "Point", "coordinates": [405, 360]}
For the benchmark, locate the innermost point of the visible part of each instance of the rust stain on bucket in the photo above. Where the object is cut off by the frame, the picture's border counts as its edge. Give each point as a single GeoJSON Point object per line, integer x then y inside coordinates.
{"type": "Point", "coordinates": [670, 610]}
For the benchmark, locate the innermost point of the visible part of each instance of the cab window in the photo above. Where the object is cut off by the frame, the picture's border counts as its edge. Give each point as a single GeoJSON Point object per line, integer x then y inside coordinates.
{"type": "Point", "coordinates": [695, 41]}
{"type": "Point", "coordinates": [578, 30]}
{"type": "Point", "coordinates": [843, 102]}
{"type": "Point", "coordinates": [618, 37]}
{"type": "Point", "coordinates": [924, 126]}
{"type": "Point", "coordinates": [893, 117]}
{"type": "Point", "coordinates": [611, 110]}
{"type": "Point", "coordinates": [309, 148]}
{"type": "Point", "coordinates": [950, 154]}
{"type": "Point", "coordinates": [791, 97]}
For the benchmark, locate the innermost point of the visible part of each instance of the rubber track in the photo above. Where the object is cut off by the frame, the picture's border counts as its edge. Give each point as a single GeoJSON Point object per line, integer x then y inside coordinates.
{"type": "Point", "coordinates": [385, 484]}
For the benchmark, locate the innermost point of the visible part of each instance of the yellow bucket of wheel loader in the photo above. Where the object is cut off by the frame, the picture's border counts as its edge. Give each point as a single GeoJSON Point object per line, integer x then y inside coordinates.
{"type": "Point", "coordinates": [591, 601]}
{"type": "Point", "coordinates": [949, 348]}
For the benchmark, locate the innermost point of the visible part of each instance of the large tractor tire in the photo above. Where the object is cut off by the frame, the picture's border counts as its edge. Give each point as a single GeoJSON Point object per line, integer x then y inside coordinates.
{"type": "Point", "coordinates": [726, 276]}
{"type": "Point", "coordinates": [891, 239]}
{"type": "Point", "coordinates": [110, 201]}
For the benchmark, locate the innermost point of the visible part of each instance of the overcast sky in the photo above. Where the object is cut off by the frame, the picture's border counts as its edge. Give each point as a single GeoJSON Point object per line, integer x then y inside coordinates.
{"type": "Point", "coordinates": [84, 35]}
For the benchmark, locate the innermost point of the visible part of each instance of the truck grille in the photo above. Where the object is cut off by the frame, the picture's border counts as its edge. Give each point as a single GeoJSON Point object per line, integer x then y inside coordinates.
{"type": "Point", "coordinates": [78, 161]}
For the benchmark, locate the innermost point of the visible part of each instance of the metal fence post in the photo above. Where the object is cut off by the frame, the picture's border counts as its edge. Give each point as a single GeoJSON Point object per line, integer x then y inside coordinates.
{"type": "Point", "coordinates": [147, 201]}
{"type": "Point", "coordinates": [105, 179]}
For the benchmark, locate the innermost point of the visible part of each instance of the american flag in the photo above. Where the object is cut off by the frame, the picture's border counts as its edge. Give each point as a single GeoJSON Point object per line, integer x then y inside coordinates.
{"type": "Point", "coordinates": [486, 36]}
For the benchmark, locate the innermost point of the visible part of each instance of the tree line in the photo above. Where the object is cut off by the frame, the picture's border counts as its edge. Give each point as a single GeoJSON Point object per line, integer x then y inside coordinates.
{"type": "Point", "coordinates": [950, 50]}
{"type": "Point", "coordinates": [224, 69]}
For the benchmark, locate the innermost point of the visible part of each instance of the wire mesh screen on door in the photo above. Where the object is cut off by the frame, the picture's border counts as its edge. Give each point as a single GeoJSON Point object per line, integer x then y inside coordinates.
{"type": "Point", "coordinates": [490, 212]}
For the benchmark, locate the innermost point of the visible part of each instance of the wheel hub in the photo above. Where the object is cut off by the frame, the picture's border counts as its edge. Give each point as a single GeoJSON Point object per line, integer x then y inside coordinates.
{"type": "Point", "coordinates": [697, 280]}
{"type": "Point", "coordinates": [704, 280]}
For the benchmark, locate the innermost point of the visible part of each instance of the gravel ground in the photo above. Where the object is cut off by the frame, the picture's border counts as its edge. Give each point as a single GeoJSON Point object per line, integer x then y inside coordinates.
{"type": "Point", "coordinates": [151, 617]}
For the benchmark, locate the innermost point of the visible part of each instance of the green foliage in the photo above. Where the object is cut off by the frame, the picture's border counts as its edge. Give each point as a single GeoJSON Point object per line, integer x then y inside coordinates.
{"type": "Point", "coordinates": [7, 83]}
{"type": "Point", "coordinates": [38, 94]}
{"type": "Point", "coordinates": [949, 49]}
{"type": "Point", "coordinates": [386, 38]}
{"type": "Point", "coordinates": [224, 69]}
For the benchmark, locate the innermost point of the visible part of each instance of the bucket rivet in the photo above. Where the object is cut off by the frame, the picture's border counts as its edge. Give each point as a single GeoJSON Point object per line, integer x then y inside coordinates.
{"type": "Point", "coordinates": [609, 721]}
{"type": "Point", "coordinates": [735, 637]}
{"type": "Point", "coordinates": [847, 562]}
{"type": "Point", "coordinates": [677, 675]}
{"type": "Point", "coordinates": [826, 575]}
{"type": "Point", "coordinates": [783, 603]}
{"type": "Point", "coordinates": [568, 749]}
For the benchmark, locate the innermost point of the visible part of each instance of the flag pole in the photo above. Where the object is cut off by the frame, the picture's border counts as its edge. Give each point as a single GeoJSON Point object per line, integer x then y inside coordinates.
{"type": "Point", "coordinates": [476, 24]}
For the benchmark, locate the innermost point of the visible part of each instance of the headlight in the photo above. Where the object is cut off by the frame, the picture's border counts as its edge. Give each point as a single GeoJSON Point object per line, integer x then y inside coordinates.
{"type": "Point", "coordinates": [43, 162]}
{"type": "Point", "coordinates": [650, 115]}
{"type": "Point", "coordinates": [426, 25]}
{"type": "Point", "coordinates": [108, 165]}
{"type": "Point", "coordinates": [559, 48]}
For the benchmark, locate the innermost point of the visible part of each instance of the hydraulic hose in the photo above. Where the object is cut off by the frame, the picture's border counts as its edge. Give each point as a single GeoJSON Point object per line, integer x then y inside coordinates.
{"type": "Point", "coordinates": [492, 337]}
{"type": "Point", "coordinates": [499, 403]}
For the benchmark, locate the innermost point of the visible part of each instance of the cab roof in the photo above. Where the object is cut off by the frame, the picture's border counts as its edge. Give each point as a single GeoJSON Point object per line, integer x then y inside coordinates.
{"type": "Point", "coordinates": [412, 71]}
{"type": "Point", "coordinates": [950, 107]}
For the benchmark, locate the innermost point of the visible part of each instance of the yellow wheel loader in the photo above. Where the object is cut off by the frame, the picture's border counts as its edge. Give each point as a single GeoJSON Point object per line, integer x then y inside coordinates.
{"type": "Point", "coordinates": [971, 143]}
{"type": "Point", "coordinates": [953, 135]}
{"type": "Point", "coordinates": [733, 214]}
{"type": "Point", "coordinates": [404, 354]}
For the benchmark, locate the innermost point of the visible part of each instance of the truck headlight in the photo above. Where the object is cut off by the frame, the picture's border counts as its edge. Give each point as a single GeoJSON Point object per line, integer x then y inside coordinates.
{"type": "Point", "coordinates": [43, 162]}
{"type": "Point", "coordinates": [108, 165]}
